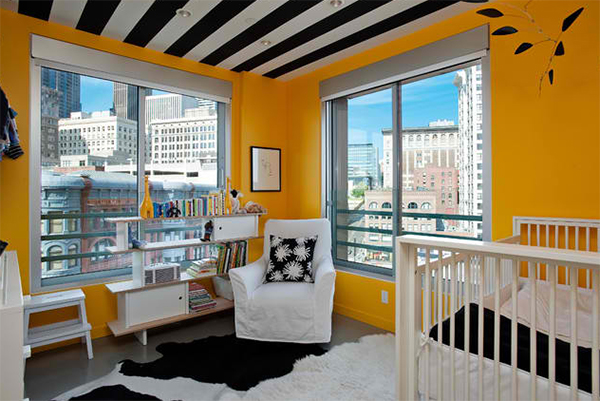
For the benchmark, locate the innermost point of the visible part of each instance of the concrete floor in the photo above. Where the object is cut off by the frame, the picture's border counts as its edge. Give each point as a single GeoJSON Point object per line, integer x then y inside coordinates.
{"type": "Point", "coordinates": [53, 372]}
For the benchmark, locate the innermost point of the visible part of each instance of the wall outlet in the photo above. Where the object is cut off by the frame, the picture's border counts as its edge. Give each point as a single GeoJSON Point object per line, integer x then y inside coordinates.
{"type": "Point", "coordinates": [384, 297]}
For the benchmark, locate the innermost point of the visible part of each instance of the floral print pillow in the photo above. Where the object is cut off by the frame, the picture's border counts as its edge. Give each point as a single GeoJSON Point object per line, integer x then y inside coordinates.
{"type": "Point", "coordinates": [290, 259]}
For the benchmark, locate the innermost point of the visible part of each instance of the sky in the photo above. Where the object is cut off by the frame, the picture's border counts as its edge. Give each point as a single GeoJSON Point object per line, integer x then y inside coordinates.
{"type": "Point", "coordinates": [423, 101]}
{"type": "Point", "coordinates": [97, 94]}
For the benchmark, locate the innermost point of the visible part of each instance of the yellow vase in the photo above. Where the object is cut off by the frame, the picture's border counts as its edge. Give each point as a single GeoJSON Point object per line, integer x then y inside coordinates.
{"type": "Point", "coordinates": [227, 197]}
{"type": "Point", "coordinates": [146, 207]}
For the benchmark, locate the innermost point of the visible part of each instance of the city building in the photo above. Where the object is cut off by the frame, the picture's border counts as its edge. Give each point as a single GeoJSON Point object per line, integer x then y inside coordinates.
{"type": "Point", "coordinates": [126, 100]}
{"type": "Point", "coordinates": [470, 122]}
{"type": "Point", "coordinates": [49, 128]}
{"type": "Point", "coordinates": [168, 106]}
{"type": "Point", "coordinates": [187, 139]}
{"type": "Point", "coordinates": [99, 134]}
{"type": "Point", "coordinates": [68, 85]}
{"type": "Point", "coordinates": [363, 164]}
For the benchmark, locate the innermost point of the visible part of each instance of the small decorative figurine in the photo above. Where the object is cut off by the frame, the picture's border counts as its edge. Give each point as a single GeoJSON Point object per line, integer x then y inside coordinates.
{"type": "Point", "coordinates": [208, 229]}
{"type": "Point", "coordinates": [235, 202]}
{"type": "Point", "coordinates": [146, 207]}
{"type": "Point", "coordinates": [173, 212]}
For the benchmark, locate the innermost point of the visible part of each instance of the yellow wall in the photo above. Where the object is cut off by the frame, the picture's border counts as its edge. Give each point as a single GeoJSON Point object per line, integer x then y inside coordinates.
{"type": "Point", "coordinates": [545, 149]}
{"type": "Point", "coordinates": [261, 123]}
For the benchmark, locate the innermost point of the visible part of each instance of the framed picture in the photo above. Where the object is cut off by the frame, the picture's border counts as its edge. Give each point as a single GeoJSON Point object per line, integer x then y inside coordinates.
{"type": "Point", "coordinates": [265, 169]}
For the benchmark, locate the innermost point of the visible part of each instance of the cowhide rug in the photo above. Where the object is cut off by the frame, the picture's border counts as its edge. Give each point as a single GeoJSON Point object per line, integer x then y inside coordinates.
{"type": "Point", "coordinates": [227, 368]}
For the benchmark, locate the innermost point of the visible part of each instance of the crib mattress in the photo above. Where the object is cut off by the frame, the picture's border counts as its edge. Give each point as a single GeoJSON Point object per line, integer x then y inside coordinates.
{"type": "Point", "coordinates": [523, 360]}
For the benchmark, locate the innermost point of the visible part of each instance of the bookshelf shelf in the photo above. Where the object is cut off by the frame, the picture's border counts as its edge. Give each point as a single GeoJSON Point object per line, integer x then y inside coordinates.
{"type": "Point", "coordinates": [186, 243]}
{"type": "Point", "coordinates": [135, 219]}
{"type": "Point", "coordinates": [118, 328]}
{"type": "Point", "coordinates": [128, 285]}
{"type": "Point", "coordinates": [145, 306]}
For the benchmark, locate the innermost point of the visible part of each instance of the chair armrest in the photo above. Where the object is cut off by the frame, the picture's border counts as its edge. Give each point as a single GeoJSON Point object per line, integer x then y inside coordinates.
{"type": "Point", "coordinates": [245, 280]}
{"type": "Point", "coordinates": [325, 271]}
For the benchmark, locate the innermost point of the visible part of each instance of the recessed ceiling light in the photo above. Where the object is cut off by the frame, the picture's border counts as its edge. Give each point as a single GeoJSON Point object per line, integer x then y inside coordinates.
{"type": "Point", "coordinates": [336, 3]}
{"type": "Point", "coordinates": [265, 42]}
{"type": "Point", "coordinates": [183, 13]}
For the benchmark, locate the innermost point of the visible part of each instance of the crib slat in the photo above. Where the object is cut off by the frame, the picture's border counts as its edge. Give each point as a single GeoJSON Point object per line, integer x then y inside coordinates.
{"type": "Point", "coordinates": [453, 273]}
{"type": "Point", "coordinates": [427, 317]}
{"type": "Point", "coordinates": [514, 325]}
{"type": "Point", "coordinates": [480, 328]}
{"type": "Point", "coordinates": [552, 337]}
{"type": "Point", "coordinates": [528, 234]}
{"type": "Point", "coordinates": [596, 336]}
{"type": "Point", "coordinates": [547, 236]}
{"type": "Point", "coordinates": [497, 330]}
{"type": "Point", "coordinates": [588, 276]}
{"type": "Point", "coordinates": [537, 243]}
{"type": "Point", "coordinates": [573, 381]}
{"type": "Point", "coordinates": [533, 334]}
{"type": "Point", "coordinates": [440, 328]}
{"type": "Point", "coordinates": [467, 326]}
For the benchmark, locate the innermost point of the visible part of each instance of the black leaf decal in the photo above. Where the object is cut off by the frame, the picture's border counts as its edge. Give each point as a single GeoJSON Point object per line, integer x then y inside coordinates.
{"type": "Point", "coordinates": [567, 22]}
{"type": "Point", "coordinates": [490, 12]}
{"type": "Point", "coordinates": [523, 47]}
{"type": "Point", "coordinates": [551, 76]}
{"type": "Point", "coordinates": [560, 50]}
{"type": "Point", "coordinates": [505, 30]}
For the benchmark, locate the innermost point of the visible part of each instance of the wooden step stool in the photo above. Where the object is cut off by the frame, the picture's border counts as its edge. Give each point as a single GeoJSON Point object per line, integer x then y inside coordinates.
{"type": "Point", "coordinates": [52, 333]}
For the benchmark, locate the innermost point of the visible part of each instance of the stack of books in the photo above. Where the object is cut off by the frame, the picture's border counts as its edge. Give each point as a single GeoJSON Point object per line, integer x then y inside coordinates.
{"type": "Point", "coordinates": [199, 298]}
{"type": "Point", "coordinates": [212, 204]}
{"type": "Point", "coordinates": [203, 267]}
{"type": "Point", "coordinates": [231, 255]}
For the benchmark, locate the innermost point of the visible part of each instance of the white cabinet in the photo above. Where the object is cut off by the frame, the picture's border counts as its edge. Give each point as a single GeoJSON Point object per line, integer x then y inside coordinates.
{"type": "Point", "coordinates": [12, 352]}
{"type": "Point", "coordinates": [239, 227]}
{"type": "Point", "coordinates": [155, 303]}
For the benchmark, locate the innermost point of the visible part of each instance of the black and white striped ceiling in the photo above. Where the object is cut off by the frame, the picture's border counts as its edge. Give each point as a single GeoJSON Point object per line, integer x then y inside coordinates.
{"type": "Point", "coordinates": [275, 38]}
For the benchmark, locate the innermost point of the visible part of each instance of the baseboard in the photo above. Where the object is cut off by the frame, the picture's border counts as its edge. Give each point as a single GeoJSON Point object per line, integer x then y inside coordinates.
{"type": "Point", "coordinates": [365, 317]}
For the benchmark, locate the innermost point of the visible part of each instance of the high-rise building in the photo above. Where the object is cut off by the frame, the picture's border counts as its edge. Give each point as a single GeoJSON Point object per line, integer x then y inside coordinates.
{"type": "Point", "coordinates": [98, 134]}
{"type": "Point", "coordinates": [168, 106]}
{"type": "Point", "coordinates": [49, 127]}
{"type": "Point", "coordinates": [69, 87]}
{"type": "Point", "coordinates": [470, 158]}
{"type": "Point", "coordinates": [125, 100]}
{"type": "Point", "coordinates": [363, 164]}
{"type": "Point", "coordinates": [184, 140]}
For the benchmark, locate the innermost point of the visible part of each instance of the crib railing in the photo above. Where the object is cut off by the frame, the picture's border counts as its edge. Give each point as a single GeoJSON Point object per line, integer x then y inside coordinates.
{"type": "Point", "coordinates": [436, 276]}
{"type": "Point", "coordinates": [577, 234]}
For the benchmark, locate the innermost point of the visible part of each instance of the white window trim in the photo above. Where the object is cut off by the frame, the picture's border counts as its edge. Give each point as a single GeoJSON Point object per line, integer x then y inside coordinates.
{"type": "Point", "coordinates": [36, 64]}
{"type": "Point", "coordinates": [326, 132]}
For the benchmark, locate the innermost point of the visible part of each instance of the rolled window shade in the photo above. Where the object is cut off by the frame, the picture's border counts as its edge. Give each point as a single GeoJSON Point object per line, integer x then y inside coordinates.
{"type": "Point", "coordinates": [79, 59]}
{"type": "Point", "coordinates": [455, 49]}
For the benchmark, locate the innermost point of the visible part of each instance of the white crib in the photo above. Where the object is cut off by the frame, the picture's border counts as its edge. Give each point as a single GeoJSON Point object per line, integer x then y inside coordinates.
{"type": "Point", "coordinates": [554, 262]}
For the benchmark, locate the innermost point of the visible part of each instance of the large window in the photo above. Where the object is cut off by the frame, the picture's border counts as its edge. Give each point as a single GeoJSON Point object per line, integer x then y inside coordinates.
{"type": "Point", "coordinates": [406, 158]}
{"type": "Point", "coordinates": [96, 142]}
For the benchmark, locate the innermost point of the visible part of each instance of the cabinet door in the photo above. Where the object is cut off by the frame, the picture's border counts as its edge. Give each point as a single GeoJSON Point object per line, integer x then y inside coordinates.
{"type": "Point", "coordinates": [235, 227]}
{"type": "Point", "coordinates": [156, 303]}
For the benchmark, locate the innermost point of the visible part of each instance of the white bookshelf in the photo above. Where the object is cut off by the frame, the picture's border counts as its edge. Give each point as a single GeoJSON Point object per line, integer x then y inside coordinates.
{"type": "Point", "coordinates": [141, 307]}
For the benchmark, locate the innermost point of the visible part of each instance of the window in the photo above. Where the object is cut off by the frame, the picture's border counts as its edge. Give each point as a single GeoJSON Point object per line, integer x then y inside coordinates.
{"type": "Point", "coordinates": [97, 176]}
{"type": "Point", "coordinates": [55, 251]}
{"type": "Point", "coordinates": [439, 112]}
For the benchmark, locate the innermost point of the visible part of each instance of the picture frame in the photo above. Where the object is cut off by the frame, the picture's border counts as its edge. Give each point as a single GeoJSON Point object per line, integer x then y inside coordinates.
{"type": "Point", "coordinates": [265, 169]}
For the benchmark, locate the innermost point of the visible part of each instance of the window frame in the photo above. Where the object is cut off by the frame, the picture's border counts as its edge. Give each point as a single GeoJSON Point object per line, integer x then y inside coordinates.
{"type": "Point", "coordinates": [35, 232]}
{"type": "Point", "coordinates": [329, 165]}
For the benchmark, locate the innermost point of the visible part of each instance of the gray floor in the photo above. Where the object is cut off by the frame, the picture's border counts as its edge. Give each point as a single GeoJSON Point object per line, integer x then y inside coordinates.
{"type": "Point", "coordinates": [53, 372]}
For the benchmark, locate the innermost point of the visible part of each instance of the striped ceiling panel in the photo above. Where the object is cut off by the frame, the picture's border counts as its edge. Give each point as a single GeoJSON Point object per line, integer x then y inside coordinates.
{"type": "Point", "coordinates": [279, 39]}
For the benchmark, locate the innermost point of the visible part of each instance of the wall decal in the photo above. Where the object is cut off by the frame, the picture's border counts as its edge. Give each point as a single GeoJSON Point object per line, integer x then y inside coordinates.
{"type": "Point", "coordinates": [523, 13]}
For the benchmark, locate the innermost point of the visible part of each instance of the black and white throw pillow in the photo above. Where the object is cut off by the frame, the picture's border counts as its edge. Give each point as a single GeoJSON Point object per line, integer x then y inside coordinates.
{"type": "Point", "coordinates": [290, 259]}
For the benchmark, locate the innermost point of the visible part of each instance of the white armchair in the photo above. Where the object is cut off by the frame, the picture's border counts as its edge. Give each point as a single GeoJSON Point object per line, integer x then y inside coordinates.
{"type": "Point", "coordinates": [290, 312]}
